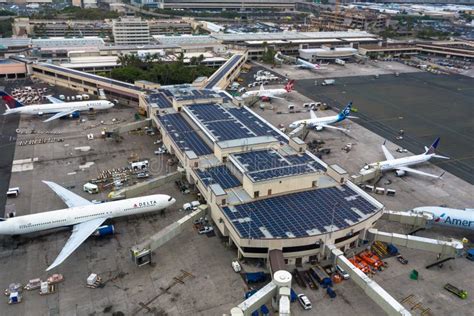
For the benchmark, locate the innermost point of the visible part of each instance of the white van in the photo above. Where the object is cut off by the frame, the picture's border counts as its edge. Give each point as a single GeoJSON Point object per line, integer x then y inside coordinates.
{"type": "Point", "coordinates": [13, 192]}
{"type": "Point", "coordinates": [191, 205]}
{"type": "Point", "coordinates": [342, 272]}
{"type": "Point", "coordinates": [90, 188]}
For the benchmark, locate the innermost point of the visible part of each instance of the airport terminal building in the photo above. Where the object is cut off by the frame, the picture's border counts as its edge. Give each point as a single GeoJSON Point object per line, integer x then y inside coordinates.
{"type": "Point", "coordinates": [264, 190]}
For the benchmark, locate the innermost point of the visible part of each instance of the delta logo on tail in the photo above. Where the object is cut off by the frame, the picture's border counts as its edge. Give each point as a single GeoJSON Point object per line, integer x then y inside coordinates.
{"type": "Point", "coordinates": [439, 218]}
{"type": "Point", "coordinates": [290, 85]}
{"type": "Point", "coordinates": [9, 100]}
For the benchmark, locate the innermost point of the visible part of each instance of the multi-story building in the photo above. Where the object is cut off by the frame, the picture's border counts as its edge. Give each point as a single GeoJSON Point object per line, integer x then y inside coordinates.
{"type": "Point", "coordinates": [131, 31]}
{"type": "Point", "coordinates": [60, 28]}
{"type": "Point", "coordinates": [362, 20]}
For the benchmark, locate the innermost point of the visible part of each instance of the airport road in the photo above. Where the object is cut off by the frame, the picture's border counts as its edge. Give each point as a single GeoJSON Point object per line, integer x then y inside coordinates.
{"type": "Point", "coordinates": [424, 105]}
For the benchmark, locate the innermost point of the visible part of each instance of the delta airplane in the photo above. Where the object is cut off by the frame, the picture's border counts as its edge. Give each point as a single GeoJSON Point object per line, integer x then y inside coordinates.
{"type": "Point", "coordinates": [401, 165]}
{"type": "Point", "coordinates": [270, 93]}
{"type": "Point", "coordinates": [303, 64]}
{"type": "Point", "coordinates": [449, 216]}
{"type": "Point", "coordinates": [84, 217]}
{"type": "Point", "coordinates": [57, 107]}
{"type": "Point", "coordinates": [319, 123]}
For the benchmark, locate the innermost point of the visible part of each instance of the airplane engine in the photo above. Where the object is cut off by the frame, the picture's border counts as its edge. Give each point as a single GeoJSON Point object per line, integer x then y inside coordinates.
{"type": "Point", "coordinates": [104, 230]}
{"type": "Point", "coordinates": [75, 114]}
{"type": "Point", "coordinates": [400, 173]}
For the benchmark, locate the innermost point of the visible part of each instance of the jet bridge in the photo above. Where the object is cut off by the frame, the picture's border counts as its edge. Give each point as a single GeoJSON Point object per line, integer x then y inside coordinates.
{"type": "Point", "coordinates": [141, 253]}
{"type": "Point", "coordinates": [424, 219]}
{"type": "Point", "coordinates": [373, 290]}
{"type": "Point", "coordinates": [451, 248]}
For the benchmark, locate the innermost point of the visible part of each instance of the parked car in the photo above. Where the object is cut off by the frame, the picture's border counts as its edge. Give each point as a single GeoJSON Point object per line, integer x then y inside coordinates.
{"type": "Point", "coordinates": [304, 301]}
{"type": "Point", "coordinates": [402, 260]}
{"type": "Point", "coordinates": [205, 230]}
{"type": "Point", "coordinates": [161, 151]}
{"type": "Point", "coordinates": [236, 266]}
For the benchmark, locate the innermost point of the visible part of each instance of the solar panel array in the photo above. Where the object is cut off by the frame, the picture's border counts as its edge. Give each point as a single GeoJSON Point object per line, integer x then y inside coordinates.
{"type": "Point", "coordinates": [269, 164]}
{"type": "Point", "coordinates": [220, 175]}
{"type": "Point", "coordinates": [183, 134]}
{"type": "Point", "coordinates": [194, 94]}
{"type": "Point", "coordinates": [160, 99]}
{"type": "Point", "coordinates": [222, 71]}
{"type": "Point", "coordinates": [220, 122]}
{"type": "Point", "coordinates": [255, 124]}
{"type": "Point", "coordinates": [298, 214]}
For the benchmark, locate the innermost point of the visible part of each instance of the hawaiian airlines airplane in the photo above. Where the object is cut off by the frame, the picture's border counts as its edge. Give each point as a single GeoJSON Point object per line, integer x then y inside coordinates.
{"type": "Point", "coordinates": [85, 217]}
{"type": "Point", "coordinates": [57, 107]}
{"type": "Point", "coordinates": [401, 165]}
{"type": "Point", "coordinates": [449, 216]}
{"type": "Point", "coordinates": [270, 93]}
{"type": "Point", "coordinates": [319, 123]}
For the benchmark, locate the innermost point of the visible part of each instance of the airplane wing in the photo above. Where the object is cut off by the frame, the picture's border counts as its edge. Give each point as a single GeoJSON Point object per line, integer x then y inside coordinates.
{"type": "Point", "coordinates": [60, 114]}
{"type": "Point", "coordinates": [80, 232]}
{"type": "Point", "coordinates": [71, 199]}
{"type": "Point", "coordinates": [407, 169]}
{"type": "Point", "coordinates": [387, 154]}
{"type": "Point", "coordinates": [333, 127]}
{"type": "Point", "coordinates": [313, 115]}
{"type": "Point", "coordinates": [53, 99]}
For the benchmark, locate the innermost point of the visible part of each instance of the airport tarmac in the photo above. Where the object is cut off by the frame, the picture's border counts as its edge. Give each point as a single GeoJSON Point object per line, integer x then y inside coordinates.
{"type": "Point", "coordinates": [215, 288]}
{"type": "Point", "coordinates": [422, 104]}
{"type": "Point", "coordinates": [332, 70]}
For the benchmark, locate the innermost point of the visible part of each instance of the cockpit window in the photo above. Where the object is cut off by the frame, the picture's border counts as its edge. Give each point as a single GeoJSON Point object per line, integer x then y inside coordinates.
{"type": "Point", "coordinates": [169, 200]}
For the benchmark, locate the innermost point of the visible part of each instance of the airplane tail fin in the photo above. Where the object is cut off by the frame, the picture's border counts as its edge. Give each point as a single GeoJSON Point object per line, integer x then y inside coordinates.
{"type": "Point", "coordinates": [10, 102]}
{"type": "Point", "coordinates": [290, 85]}
{"type": "Point", "coordinates": [432, 149]}
{"type": "Point", "coordinates": [347, 110]}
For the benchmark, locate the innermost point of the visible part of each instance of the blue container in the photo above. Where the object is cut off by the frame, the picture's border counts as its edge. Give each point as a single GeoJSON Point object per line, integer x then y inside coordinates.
{"type": "Point", "coordinates": [264, 310]}
{"type": "Point", "coordinates": [293, 296]}
{"type": "Point", "coordinates": [326, 282]}
{"type": "Point", "coordinates": [250, 293]}
{"type": "Point", "coordinates": [331, 292]}
{"type": "Point", "coordinates": [392, 250]}
{"type": "Point", "coordinates": [255, 277]}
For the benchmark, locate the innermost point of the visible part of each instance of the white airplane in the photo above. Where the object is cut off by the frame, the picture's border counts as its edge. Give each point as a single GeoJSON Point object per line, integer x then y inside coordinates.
{"type": "Point", "coordinates": [300, 63]}
{"type": "Point", "coordinates": [270, 93]}
{"type": "Point", "coordinates": [57, 107]}
{"type": "Point", "coordinates": [449, 216]}
{"type": "Point", "coordinates": [303, 64]}
{"type": "Point", "coordinates": [401, 165]}
{"type": "Point", "coordinates": [85, 217]}
{"type": "Point", "coordinates": [319, 123]}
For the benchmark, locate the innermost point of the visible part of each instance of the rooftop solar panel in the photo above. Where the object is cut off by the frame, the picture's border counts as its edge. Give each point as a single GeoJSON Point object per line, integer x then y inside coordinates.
{"type": "Point", "coordinates": [220, 175]}
{"type": "Point", "coordinates": [298, 214]}
{"type": "Point", "coordinates": [226, 130]}
{"type": "Point", "coordinates": [160, 99]}
{"type": "Point", "coordinates": [256, 125]}
{"type": "Point", "coordinates": [183, 134]}
{"type": "Point", "coordinates": [209, 112]}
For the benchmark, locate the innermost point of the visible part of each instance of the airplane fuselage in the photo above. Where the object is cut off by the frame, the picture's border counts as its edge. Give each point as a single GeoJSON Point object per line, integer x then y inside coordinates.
{"type": "Point", "coordinates": [39, 109]}
{"type": "Point", "coordinates": [387, 165]}
{"type": "Point", "coordinates": [314, 122]}
{"type": "Point", "coordinates": [265, 93]}
{"type": "Point", "coordinates": [75, 215]}
{"type": "Point", "coordinates": [450, 216]}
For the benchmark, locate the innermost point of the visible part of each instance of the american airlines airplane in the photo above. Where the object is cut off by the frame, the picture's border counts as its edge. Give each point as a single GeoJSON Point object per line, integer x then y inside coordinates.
{"type": "Point", "coordinates": [449, 216]}
{"type": "Point", "coordinates": [270, 93]}
{"type": "Point", "coordinates": [401, 165]}
{"type": "Point", "coordinates": [85, 217]}
{"type": "Point", "coordinates": [57, 107]}
{"type": "Point", "coordinates": [319, 123]}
